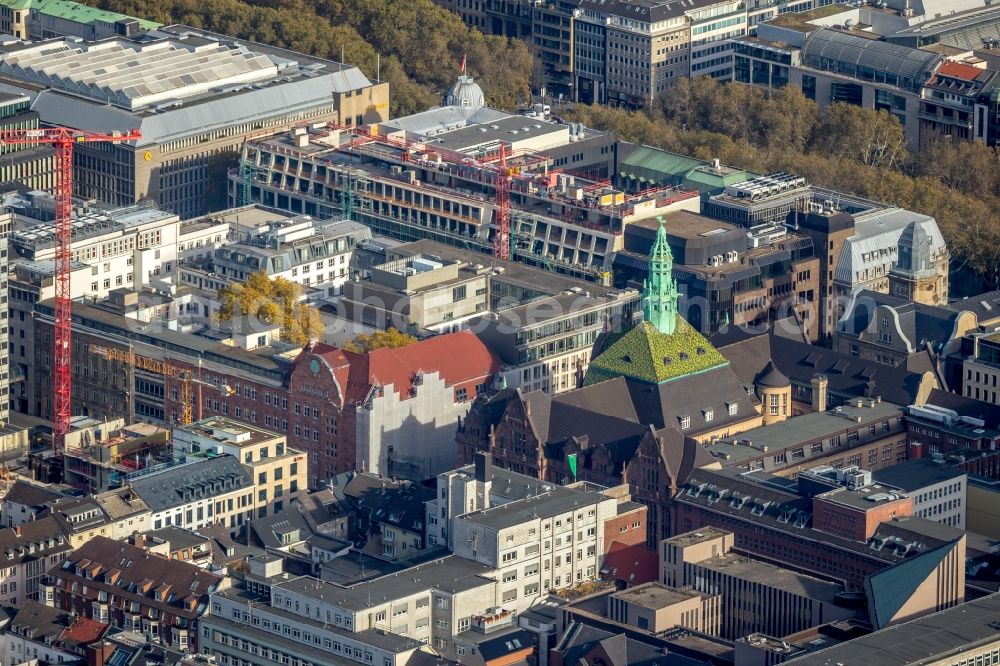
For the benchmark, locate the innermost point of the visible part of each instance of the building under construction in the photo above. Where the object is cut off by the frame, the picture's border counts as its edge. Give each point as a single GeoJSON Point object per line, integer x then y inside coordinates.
{"type": "Point", "coordinates": [468, 176]}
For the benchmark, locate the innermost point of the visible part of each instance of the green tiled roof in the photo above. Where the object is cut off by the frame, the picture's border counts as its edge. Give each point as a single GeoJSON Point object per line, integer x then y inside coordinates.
{"type": "Point", "coordinates": [74, 11]}
{"type": "Point", "coordinates": [645, 354]}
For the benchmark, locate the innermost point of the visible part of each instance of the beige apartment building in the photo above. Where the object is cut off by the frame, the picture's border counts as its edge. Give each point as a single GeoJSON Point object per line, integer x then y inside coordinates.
{"type": "Point", "coordinates": [278, 472]}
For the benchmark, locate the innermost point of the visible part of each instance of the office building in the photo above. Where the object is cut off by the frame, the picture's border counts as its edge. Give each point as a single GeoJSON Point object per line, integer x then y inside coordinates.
{"type": "Point", "coordinates": [217, 91]}
{"type": "Point", "coordinates": [132, 589]}
{"type": "Point", "coordinates": [755, 596]}
{"type": "Point", "coordinates": [938, 489]}
{"type": "Point", "coordinates": [431, 176]}
{"type": "Point", "coordinates": [650, 607]}
{"type": "Point", "coordinates": [722, 281]}
{"type": "Point", "coordinates": [866, 433]}
{"type": "Point", "coordinates": [99, 456]}
{"type": "Point", "coordinates": [31, 165]}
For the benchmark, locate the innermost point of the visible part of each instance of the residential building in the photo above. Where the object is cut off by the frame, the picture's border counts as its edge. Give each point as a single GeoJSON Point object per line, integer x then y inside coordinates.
{"type": "Point", "coordinates": [953, 104]}
{"type": "Point", "coordinates": [722, 281]}
{"type": "Point", "coordinates": [48, 635]}
{"type": "Point", "coordinates": [313, 254]}
{"type": "Point", "coordinates": [279, 473]}
{"type": "Point", "coordinates": [391, 514]}
{"type": "Point", "coordinates": [126, 512]}
{"type": "Point", "coordinates": [45, 19]}
{"type": "Point", "coordinates": [754, 596]}
{"type": "Point", "coordinates": [132, 589]}
{"type": "Point", "coordinates": [198, 492]}
{"type": "Point", "coordinates": [890, 329]}
{"type": "Point", "coordinates": [938, 490]}
{"type": "Point", "coordinates": [981, 367]}
{"type": "Point", "coordinates": [24, 502]}
{"type": "Point", "coordinates": [868, 433]}
{"type": "Point", "coordinates": [945, 638]}
{"type": "Point", "coordinates": [266, 90]}
{"type": "Point", "coordinates": [29, 551]}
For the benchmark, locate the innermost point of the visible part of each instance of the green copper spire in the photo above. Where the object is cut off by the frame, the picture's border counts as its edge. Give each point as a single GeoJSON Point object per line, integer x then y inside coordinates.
{"type": "Point", "coordinates": [659, 294]}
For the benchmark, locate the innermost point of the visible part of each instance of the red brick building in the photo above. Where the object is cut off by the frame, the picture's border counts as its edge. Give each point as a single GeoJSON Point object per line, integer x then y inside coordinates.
{"type": "Point", "coordinates": [392, 411]}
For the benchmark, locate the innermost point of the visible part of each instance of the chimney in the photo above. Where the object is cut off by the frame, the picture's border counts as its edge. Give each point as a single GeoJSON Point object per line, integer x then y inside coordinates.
{"type": "Point", "coordinates": [484, 478]}
{"type": "Point", "coordinates": [17, 530]}
{"type": "Point", "coordinates": [819, 384]}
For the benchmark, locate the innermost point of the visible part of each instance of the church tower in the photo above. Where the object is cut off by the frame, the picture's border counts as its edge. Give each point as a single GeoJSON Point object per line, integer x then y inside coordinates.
{"type": "Point", "coordinates": [659, 294]}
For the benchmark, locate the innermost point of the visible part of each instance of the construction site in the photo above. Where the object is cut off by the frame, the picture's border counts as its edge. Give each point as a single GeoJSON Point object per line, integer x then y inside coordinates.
{"type": "Point", "coordinates": [516, 187]}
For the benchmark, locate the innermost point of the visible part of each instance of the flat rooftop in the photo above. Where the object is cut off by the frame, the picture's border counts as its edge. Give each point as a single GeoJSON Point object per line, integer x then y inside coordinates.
{"type": "Point", "coordinates": [654, 595]}
{"type": "Point", "coordinates": [778, 437]}
{"type": "Point", "coordinates": [799, 21]}
{"type": "Point", "coordinates": [232, 433]}
{"type": "Point", "coordinates": [512, 129]}
{"type": "Point", "coordinates": [915, 474]}
{"type": "Point", "coordinates": [698, 536]}
{"type": "Point", "coordinates": [450, 574]}
{"type": "Point", "coordinates": [685, 224]}
{"type": "Point", "coordinates": [933, 639]}
{"type": "Point", "coordinates": [763, 573]}
{"type": "Point", "coordinates": [553, 502]}
{"type": "Point", "coordinates": [865, 498]}
{"type": "Point", "coordinates": [89, 225]}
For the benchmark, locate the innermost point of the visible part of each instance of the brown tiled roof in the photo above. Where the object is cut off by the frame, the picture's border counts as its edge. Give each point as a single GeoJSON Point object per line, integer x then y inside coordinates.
{"type": "Point", "coordinates": [134, 572]}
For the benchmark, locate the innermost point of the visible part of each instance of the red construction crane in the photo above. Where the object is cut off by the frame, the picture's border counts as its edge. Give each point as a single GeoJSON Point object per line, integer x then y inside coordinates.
{"type": "Point", "coordinates": [62, 138]}
{"type": "Point", "coordinates": [501, 238]}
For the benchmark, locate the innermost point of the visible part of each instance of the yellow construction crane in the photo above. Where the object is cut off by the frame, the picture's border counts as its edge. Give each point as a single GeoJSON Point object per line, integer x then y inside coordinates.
{"type": "Point", "coordinates": [164, 368]}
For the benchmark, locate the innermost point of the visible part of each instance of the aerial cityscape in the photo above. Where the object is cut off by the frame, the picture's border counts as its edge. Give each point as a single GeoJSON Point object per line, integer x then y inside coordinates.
{"type": "Point", "coordinates": [499, 333]}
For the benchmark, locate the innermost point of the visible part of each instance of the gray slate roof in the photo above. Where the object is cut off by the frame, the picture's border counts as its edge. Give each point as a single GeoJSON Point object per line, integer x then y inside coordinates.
{"type": "Point", "coordinates": [208, 477]}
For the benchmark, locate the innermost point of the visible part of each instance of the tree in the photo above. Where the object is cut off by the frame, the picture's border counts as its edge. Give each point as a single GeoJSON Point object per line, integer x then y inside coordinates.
{"type": "Point", "coordinates": [387, 339]}
{"type": "Point", "coordinates": [271, 302]}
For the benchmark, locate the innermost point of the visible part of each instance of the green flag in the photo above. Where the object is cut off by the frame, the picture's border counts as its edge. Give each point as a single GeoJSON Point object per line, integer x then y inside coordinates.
{"type": "Point", "coordinates": [571, 459]}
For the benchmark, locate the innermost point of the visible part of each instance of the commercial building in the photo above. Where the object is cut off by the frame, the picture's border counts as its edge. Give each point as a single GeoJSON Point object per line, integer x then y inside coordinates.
{"type": "Point", "coordinates": [279, 473]}
{"type": "Point", "coordinates": [946, 638]}
{"type": "Point", "coordinates": [132, 589]}
{"type": "Point", "coordinates": [45, 19]}
{"type": "Point", "coordinates": [192, 94]}
{"type": "Point", "coordinates": [650, 607]}
{"type": "Point", "coordinates": [938, 489]}
{"type": "Point", "coordinates": [755, 596]}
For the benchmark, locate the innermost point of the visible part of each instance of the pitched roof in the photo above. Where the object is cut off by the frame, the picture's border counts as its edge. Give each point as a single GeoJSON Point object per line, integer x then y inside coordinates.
{"type": "Point", "coordinates": [175, 486]}
{"type": "Point", "coordinates": [888, 590]}
{"type": "Point", "coordinates": [34, 540]}
{"type": "Point", "coordinates": [29, 494]}
{"type": "Point", "coordinates": [137, 572]}
{"type": "Point", "coordinates": [959, 70]}
{"type": "Point", "coordinates": [847, 376]}
{"type": "Point", "coordinates": [458, 358]}
{"type": "Point", "coordinates": [646, 354]}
